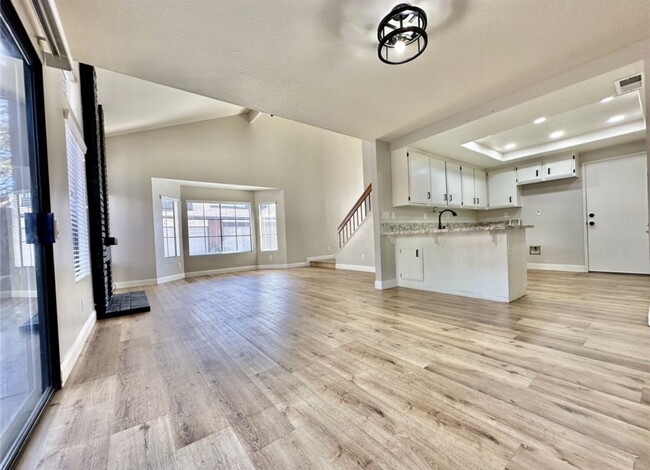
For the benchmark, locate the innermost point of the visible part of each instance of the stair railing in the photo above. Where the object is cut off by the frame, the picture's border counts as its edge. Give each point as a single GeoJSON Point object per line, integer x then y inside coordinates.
{"type": "Point", "coordinates": [355, 217]}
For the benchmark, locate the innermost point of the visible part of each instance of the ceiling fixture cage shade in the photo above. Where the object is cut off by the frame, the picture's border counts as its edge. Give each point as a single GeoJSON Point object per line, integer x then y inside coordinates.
{"type": "Point", "coordinates": [402, 34]}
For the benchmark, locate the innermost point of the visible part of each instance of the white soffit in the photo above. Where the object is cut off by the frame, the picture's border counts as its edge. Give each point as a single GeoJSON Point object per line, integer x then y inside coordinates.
{"type": "Point", "coordinates": [316, 61]}
{"type": "Point", "coordinates": [576, 110]}
{"type": "Point", "coordinates": [134, 105]}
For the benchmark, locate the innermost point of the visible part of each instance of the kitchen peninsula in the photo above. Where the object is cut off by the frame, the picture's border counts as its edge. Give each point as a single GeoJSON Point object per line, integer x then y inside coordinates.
{"type": "Point", "coordinates": [485, 261]}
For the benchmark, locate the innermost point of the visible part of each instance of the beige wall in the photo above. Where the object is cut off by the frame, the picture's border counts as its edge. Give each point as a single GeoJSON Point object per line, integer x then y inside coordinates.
{"type": "Point", "coordinates": [74, 300]}
{"type": "Point", "coordinates": [194, 264]}
{"type": "Point", "coordinates": [559, 229]}
{"type": "Point", "coordinates": [166, 268]}
{"type": "Point", "coordinates": [319, 172]}
{"type": "Point", "coordinates": [279, 257]}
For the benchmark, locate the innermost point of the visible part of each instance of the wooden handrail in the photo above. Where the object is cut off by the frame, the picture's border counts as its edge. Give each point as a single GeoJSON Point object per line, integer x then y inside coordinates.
{"type": "Point", "coordinates": [355, 207]}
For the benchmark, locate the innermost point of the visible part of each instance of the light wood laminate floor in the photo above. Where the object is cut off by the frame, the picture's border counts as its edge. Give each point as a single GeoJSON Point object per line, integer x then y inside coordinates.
{"type": "Point", "coordinates": [313, 368]}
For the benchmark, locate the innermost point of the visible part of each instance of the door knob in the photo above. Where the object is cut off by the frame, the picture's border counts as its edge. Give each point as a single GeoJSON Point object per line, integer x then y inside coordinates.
{"type": "Point", "coordinates": [592, 223]}
{"type": "Point", "coordinates": [592, 214]}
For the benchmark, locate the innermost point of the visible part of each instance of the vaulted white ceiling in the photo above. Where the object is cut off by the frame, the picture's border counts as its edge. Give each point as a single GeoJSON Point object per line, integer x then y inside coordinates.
{"type": "Point", "coordinates": [315, 61]}
{"type": "Point", "coordinates": [133, 105]}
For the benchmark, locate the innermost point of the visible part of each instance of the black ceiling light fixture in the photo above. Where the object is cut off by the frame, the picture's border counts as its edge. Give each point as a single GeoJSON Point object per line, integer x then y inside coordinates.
{"type": "Point", "coordinates": [402, 34]}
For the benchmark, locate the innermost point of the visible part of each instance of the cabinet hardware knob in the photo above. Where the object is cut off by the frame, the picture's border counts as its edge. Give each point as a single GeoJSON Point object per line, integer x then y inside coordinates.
{"type": "Point", "coordinates": [510, 198]}
{"type": "Point", "coordinates": [429, 195]}
{"type": "Point", "coordinates": [444, 197]}
{"type": "Point", "coordinates": [592, 214]}
{"type": "Point", "coordinates": [548, 171]}
{"type": "Point", "coordinates": [592, 223]}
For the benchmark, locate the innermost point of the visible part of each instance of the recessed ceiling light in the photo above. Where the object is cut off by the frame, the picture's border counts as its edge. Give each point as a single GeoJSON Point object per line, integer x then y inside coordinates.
{"type": "Point", "coordinates": [556, 134]}
{"type": "Point", "coordinates": [510, 146]}
{"type": "Point", "coordinates": [617, 118]}
{"type": "Point", "coordinates": [539, 120]}
{"type": "Point", "coordinates": [607, 99]}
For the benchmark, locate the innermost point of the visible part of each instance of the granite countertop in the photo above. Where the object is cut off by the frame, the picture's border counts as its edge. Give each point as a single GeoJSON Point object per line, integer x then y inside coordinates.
{"type": "Point", "coordinates": [419, 228]}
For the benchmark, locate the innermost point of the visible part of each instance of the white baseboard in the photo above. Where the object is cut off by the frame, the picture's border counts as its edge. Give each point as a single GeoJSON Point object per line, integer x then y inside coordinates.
{"type": "Point", "coordinates": [236, 269]}
{"type": "Point", "coordinates": [138, 283]}
{"type": "Point", "coordinates": [356, 267]}
{"type": "Point", "coordinates": [282, 266]}
{"type": "Point", "coordinates": [71, 357]}
{"type": "Point", "coordinates": [320, 258]}
{"type": "Point", "coordinates": [574, 268]}
{"type": "Point", "coordinates": [173, 277]}
{"type": "Point", "coordinates": [389, 284]}
{"type": "Point", "coordinates": [304, 264]}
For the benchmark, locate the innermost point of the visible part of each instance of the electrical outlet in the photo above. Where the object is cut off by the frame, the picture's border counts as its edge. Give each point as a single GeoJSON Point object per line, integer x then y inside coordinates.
{"type": "Point", "coordinates": [329, 248]}
{"type": "Point", "coordinates": [363, 257]}
{"type": "Point", "coordinates": [179, 265]}
{"type": "Point", "coordinates": [82, 305]}
{"type": "Point", "coordinates": [538, 212]}
{"type": "Point", "coordinates": [534, 250]}
{"type": "Point", "coordinates": [270, 256]}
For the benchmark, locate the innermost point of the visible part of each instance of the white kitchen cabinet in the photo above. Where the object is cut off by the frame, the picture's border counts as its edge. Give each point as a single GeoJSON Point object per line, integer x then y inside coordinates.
{"type": "Point", "coordinates": [502, 189]}
{"type": "Point", "coordinates": [474, 188]}
{"type": "Point", "coordinates": [410, 263]}
{"type": "Point", "coordinates": [438, 182]}
{"type": "Point", "coordinates": [480, 189]}
{"type": "Point", "coordinates": [529, 173]}
{"type": "Point", "coordinates": [419, 181]}
{"type": "Point", "coordinates": [467, 181]}
{"type": "Point", "coordinates": [560, 167]}
{"type": "Point", "coordinates": [454, 184]}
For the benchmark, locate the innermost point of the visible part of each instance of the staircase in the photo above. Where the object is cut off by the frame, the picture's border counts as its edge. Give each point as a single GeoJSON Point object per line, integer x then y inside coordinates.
{"type": "Point", "coordinates": [346, 229]}
{"type": "Point", "coordinates": [329, 263]}
{"type": "Point", "coordinates": [355, 217]}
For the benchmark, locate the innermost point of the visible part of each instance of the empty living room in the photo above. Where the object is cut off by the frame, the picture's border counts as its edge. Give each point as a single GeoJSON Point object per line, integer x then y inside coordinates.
{"type": "Point", "coordinates": [326, 234]}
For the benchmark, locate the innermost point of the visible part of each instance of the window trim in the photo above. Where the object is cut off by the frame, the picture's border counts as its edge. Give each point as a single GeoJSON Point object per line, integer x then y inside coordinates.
{"type": "Point", "coordinates": [259, 216]}
{"type": "Point", "coordinates": [251, 221]}
{"type": "Point", "coordinates": [176, 219]}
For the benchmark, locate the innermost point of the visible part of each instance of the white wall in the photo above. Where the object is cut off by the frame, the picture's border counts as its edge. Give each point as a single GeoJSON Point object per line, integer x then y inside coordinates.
{"type": "Point", "coordinates": [320, 173]}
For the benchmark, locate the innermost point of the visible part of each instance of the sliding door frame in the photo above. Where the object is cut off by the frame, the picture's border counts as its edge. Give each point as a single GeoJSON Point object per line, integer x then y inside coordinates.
{"type": "Point", "coordinates": [46, 288]}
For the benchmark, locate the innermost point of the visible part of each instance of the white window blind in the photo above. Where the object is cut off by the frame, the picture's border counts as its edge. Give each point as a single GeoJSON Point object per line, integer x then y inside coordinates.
{"type": "Point", "coordinates": [218, 227]}
{"type": "Point", "coordinates": [268, 226]}
{"type": "Point", "coordinates": [78, 202]}
{"type": "Point", "coordinates": [171, 248]}
{"type": "Point", "coordinates": [21, 204]}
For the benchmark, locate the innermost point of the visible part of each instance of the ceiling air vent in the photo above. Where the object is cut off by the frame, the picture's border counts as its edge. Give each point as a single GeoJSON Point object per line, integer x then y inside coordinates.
{"type": "Point", "coordinates": [628, 84]}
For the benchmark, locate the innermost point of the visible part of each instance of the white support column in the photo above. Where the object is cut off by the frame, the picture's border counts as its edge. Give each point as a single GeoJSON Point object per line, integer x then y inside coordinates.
{"type": "Point", "coordinates": [376, 159]}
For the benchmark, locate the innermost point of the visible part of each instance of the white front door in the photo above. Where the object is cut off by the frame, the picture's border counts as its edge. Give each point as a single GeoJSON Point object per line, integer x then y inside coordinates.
{"type": "Point", "coordinates": [617, 215]}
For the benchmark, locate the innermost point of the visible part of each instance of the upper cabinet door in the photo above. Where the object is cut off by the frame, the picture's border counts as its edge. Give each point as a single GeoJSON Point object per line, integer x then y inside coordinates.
{"type": "Point", "coordinates": [454, 185]}
{"type": "Point", "coordinates": [564, 167]}
{"type": "Point", "coordinates": [467, 182]}
{"type": "Point", "coordinates": [480, 189]}
{"type": "Point", "coordinates": [419, 182]}
{"type": "Point", "coordinates": [438, 182]}
{"type": "Point", "coordinates": [502, 187]}
{"type": "Point", "coordinates": [530, 173]}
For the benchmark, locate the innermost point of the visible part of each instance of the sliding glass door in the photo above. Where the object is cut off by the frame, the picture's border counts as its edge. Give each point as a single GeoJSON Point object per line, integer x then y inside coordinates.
{"type": "Point", "coordinates": [26, 362]}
